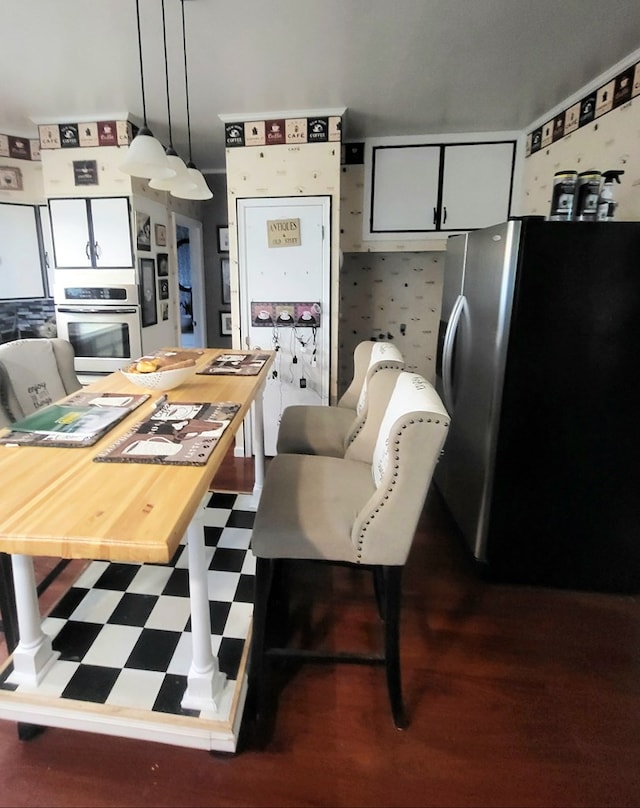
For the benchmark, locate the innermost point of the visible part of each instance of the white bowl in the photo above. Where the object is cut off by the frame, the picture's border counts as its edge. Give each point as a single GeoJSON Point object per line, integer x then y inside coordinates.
{"type": "Point", "coordinates": [160, 379]}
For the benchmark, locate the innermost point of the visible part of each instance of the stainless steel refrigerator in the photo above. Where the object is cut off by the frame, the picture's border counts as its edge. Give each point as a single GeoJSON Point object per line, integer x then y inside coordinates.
{"type": "Point", "coordinates": [539, 367]}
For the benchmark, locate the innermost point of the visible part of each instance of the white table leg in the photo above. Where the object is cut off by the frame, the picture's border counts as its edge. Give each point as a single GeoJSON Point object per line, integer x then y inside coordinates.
{"type": "Point", "coordinates": [205, 681]}
{"type": "Point", "coordinates": [34, 654]}
{"type": "Point", "coordinates": [257, 421]}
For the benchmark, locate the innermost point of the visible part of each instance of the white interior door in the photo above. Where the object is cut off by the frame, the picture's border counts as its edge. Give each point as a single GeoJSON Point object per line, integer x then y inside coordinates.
{"type": "Point", "coordinates": [284, 268]}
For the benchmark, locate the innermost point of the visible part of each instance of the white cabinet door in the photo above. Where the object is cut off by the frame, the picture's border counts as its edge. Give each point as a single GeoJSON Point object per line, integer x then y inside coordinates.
{"type": "Point", "coordinates": [404, 189]}
{"type": "Point", "coordinates": [111, 232]}
{"type": "Point", "coordinates": [91, 232]}
{"type": "Point", "coordinates": [476, 185]}
{"type": "Point", "coordinates": [47, 247]}
{"type": "Point", "coordinates": [70, 231]}
{"type": "Point", "coordinates": [20, 265]}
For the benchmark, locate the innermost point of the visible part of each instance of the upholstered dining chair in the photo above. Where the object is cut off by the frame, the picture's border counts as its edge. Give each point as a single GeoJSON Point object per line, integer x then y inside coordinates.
{"type": "Point", "coordinates": [39, 372]}
{"type": "Point", "coordinates": [328, 430]}
{"type": "Point", "coordinates": [360, 511]}
{"type": "Point", "coordinates": [33, 373]}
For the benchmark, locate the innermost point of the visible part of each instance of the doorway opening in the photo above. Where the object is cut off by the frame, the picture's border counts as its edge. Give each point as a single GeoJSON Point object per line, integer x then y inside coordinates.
{"type": "Point", "coordinates": [185, 286]}
{"type": "Point", "coordinates": [189, 252]}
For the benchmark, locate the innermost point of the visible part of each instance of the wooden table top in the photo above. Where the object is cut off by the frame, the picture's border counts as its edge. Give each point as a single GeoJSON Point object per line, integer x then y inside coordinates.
{"type": "Point", "coordinates": [58, 502]}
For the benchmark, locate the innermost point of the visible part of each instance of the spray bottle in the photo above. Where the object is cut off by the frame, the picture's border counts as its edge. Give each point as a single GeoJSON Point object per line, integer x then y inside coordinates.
{"type": "Point", "coordinates": [607, 204]}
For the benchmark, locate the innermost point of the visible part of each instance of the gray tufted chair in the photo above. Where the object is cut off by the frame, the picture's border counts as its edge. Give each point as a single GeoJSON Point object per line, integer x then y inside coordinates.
{"type": "Point", "coordinates": [360, 510]}
{"type": "Point", "coordinates": [37, 372]}
{"type": "Point", "coordinates": [327, 431]}
{"type": "Point", "coordinates": [33, 374]}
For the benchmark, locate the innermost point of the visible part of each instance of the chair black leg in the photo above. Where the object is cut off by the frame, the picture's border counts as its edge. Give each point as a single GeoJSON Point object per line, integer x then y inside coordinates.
{"type": "Point", "coordinates": [392, 597]}
{"type": "Point", "coordinates": [378, 588]}
{"type": "Point", "coordinates": [8, 603]}
{"type": "Point", "coordinates": [258, 670]}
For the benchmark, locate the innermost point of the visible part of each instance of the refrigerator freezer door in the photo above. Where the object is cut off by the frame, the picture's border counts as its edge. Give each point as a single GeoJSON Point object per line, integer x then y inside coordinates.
{"type": "Point", "coordinates": [464, 474]}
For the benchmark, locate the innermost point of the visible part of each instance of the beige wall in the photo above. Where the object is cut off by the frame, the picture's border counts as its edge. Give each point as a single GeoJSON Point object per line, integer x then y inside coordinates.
{"type": "Point", "coordinates": [384, 285]}
{"type": "Point", "coordinates": [309, 169]}
{"type": "Point", "coordinates": [609, 142]}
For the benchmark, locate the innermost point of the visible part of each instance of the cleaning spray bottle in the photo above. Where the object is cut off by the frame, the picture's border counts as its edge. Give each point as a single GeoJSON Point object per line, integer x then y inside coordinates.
{"type": "Point", "coordinates": [607, 204]}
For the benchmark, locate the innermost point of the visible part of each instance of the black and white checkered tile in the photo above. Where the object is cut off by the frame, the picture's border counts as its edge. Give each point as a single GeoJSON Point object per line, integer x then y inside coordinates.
{"type": "Point", "coordinates": [123, 630]}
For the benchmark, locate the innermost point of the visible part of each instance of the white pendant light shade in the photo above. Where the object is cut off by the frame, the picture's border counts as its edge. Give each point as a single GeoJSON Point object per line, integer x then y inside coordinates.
{"type": "Point", "coordinates": [198, 188]}
{"type": "Point", "coordinates": [179, 178]}
{"type": "Point", "coordinates": [146, 158]}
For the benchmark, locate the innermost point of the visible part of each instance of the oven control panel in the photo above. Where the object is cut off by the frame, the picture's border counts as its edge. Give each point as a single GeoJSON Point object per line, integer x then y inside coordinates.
{"type": "Point", "coordinates": [105, 293]}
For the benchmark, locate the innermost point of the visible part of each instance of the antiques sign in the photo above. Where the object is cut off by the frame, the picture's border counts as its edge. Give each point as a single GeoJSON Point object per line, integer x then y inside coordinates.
{"type": "Point", "coordinates": [283, 232]}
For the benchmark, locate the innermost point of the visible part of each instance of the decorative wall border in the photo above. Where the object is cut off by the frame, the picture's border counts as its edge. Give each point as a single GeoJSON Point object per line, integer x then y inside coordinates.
{"type": "Point", "coordinates": [611, 95]}
{"type": "Point", "coordinates": [86, 134]}
{"type": "Point", "coordinates": [279, 131]}
{"type": "Point", "coordinates": [19, 148]}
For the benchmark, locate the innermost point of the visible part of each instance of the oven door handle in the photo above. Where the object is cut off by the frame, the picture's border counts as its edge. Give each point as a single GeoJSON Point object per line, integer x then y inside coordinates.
{"type": "Point", "coordinates": [92, 310]}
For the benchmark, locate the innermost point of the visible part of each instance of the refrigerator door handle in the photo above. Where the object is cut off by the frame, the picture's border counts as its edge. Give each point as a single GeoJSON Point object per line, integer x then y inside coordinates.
{"type": "Point", "coordinates": [447, 351]}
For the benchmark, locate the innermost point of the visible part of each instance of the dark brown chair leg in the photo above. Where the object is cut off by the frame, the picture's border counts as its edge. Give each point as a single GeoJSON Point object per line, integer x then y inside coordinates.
{"type": "Point", "coordinates": [8, 603]}
{"type": "Point", "coordinates": [378, 588]}
{"type": "Point", "coordinates": [258, 670]}
{"type": "Point", "coordinates": [392, 597]}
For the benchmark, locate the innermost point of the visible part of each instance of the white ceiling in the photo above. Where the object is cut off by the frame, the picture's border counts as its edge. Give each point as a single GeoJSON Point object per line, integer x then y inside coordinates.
{"type": "Point", "coordinates": [398, 66]}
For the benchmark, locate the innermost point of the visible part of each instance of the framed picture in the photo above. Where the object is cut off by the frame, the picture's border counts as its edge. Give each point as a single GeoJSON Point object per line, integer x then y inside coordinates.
{"type": "Point", "coordinates": [161, 235]}
{"type": "Point", "coordinates": [225, 323]}
{"type": "Point", "coordinates": [226, 281]}
{"type": "Point", "coordinates": [163, 265]}
{"type": "Point", "coordinates": [223, 238]}
{"type": "Point", "coordinates": [143, 231]}
{"type": "Point", "coordinates": [11, 180]}
{"type": "Point", "coordinates": [85, 172]}
{"type": "Point", "coordinates": [164, 310]}
{"type": "Point", "coordinates": [148, 292]}
{"type": "Point", "coordinates": [163, 288]}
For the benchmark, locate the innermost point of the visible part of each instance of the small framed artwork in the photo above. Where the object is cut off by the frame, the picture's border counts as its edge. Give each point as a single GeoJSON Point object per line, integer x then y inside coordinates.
{"type": "Point", "coordinates": [226, 281]}
{"type": "Point", "coordinates": [11, 179]}
{"type": "Point", "coordinates": [164, 310]}
{"type": "Point", "coordinates": [225, 323]}
{"type": "Point", "coordinates": [223, 238]}
{"type": "Point", "coordinates": [148, 292]}
{"type": "Point", "coordinates": [163, 265]}
{"type": "Point", "coordinates": [161, 235]}
{"type": "Point", "coordinates": [143, 230]}
{"type": "Point", "coordinates": [85, 172]}
{"type": "Point", "coordinates": [163, 288]}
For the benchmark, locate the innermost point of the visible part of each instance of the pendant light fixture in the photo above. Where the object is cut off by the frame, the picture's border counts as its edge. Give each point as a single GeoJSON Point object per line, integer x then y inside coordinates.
{"type": "Point", "coordinates": [195, 185]}
{"type": "Point", "coordinates": [173, 158]}
{"type": "Point", "coordinates": [146, 156]}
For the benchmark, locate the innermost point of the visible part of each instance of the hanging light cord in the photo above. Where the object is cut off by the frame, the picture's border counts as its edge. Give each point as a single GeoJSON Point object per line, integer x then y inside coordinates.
{"type": "Point", "coordinates": [144, 104]}
{"type": "Point", "coordinates": [166, 74]}
{"type": "Point", "coordinates": [186, 78]}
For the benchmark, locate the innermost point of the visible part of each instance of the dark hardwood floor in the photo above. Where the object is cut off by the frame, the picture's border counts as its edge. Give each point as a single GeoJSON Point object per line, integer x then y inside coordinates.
{"type": "Point", "coordinates": [517, 696]}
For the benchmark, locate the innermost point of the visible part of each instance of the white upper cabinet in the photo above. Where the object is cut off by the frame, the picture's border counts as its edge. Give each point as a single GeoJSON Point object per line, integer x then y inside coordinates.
{"type": "Point", "coordinates": [91, 232]}
{"type": "Point", "coordinates": [418, 188]}
{"type": "Point", "coordinates": [476, 185]}
{"type": "Point", "coordinates": [404, 188]}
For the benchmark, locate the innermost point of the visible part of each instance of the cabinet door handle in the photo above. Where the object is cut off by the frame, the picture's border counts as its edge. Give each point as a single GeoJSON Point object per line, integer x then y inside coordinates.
{"type": "Point", "coordinates": [87, 249]}
{"type": "Point", "coordinates": [435, 216]}
{"type": "Point", "coordinates": [444, 221]}
{"type": "Point", "coordinates": [96, 249]}
{"type": "Point", "coordinates": [46, 260]}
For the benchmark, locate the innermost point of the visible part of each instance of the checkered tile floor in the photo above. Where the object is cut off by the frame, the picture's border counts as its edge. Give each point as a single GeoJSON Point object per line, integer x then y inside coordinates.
{"type": "Point", "coordinates": [123, 630]}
